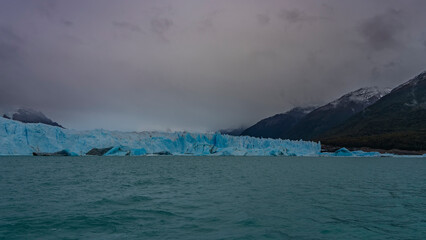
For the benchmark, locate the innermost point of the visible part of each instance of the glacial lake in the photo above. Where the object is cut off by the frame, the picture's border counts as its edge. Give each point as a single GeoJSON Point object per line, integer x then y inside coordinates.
{"type": "Point", "coordinates": [212, 198]}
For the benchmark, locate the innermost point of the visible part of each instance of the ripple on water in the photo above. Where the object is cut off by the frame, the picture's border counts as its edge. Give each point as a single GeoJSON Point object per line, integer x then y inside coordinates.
{"type": "Point", "coordinates": [212, 198]}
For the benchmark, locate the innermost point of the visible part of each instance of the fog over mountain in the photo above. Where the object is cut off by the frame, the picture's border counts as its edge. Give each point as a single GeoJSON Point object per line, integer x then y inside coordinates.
{"type": "Point", "coordinates": [200, 65]}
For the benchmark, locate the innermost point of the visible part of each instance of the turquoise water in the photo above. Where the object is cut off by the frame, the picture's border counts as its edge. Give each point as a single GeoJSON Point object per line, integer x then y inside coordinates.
{"type": "Point", "coordinates": [212, 198]}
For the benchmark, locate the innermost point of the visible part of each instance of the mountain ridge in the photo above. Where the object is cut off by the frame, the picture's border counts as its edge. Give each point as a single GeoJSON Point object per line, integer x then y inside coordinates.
{"type": "Point", "coordinates": [309, 123]}
{"type": "Point", "coordinates": [29, 115]}
{"type": "Point", "coordinates": [277, 125]}
{"type": "Point", "coordinates": [335, 113]}
{"type": "Point", "coordinates": [398, 120]}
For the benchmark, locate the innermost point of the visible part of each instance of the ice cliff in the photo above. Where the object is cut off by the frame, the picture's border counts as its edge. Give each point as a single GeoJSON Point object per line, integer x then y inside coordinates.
{"type": "Point", "coordinates": [18, 138]}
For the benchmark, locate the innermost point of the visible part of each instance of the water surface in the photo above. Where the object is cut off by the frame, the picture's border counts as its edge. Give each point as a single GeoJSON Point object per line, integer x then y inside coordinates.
{"type": "Point", "coordinates": [212, 198]}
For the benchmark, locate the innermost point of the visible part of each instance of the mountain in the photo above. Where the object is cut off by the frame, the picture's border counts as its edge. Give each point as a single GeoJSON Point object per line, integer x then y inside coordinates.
{"type": "Point", "coordinates": [278, 125]}
{"type": "Point", "coordinates": [232, 131]}
{"type": "Point", "coordinates": [334, 113]}
{"type": "Point", "coordinates": [28, 115]}
{"type": "Point", "coordinates": [398, 120]}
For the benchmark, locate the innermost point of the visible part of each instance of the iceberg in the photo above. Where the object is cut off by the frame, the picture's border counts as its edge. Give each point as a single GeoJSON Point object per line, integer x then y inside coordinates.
{"type": "Point", "coordinates": [344, 152]}
{"type": "Point", "coordinates": [18, 138]}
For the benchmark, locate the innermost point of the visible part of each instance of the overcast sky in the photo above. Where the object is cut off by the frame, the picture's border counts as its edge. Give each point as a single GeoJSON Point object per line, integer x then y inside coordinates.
{"type": "Point", "coordinates": [200, 65]}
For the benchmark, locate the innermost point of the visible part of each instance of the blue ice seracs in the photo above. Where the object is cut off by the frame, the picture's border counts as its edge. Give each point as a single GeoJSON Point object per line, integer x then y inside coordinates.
{"type": "Point", "coordinates": [17, 138]}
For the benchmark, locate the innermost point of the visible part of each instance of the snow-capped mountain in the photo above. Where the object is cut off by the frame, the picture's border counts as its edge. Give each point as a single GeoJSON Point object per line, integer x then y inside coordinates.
{"type": "Point", "coordinates": [335, 113]}
{"type": "Point", "coordinates": [278, 125]}
{"type": "Point", "coordinates": [398, 120]}
{"type": "Point", "coordinates": [28, 115]}
{"type": "Point", "coordinates": [363, 96]}
{"type": "Point", "coordinates": [309, 123]}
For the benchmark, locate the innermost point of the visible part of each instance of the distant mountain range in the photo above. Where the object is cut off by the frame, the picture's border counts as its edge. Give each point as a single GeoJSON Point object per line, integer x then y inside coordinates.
{"type": "Point", "coordinates": [367, 117]}
{"type": "Point", "coordinates": [28, 115]}
{"type": "Point", "coordinates": [311, 122]}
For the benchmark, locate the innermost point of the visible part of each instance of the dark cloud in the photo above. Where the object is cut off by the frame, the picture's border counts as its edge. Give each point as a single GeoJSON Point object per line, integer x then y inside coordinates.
{"type": "Point", "coordinates": [7, 34]}
{"type": "Point", "coordinates": [263, 19]}
{"type": "Point", "coordinates": [205, 25]}
{"type": "Point", "coordinates": [67, 23]}
{"type": "Point", "coordinates": [9, 44]}
{"type": "Point", "coordinates": [375, 72]}
{"type": "Point", "coordinates": [46, 7]}
{"type": "Point", "coordinates": [380, 71]}
{"type": "Point", "coordinates": [391, 64]}
{"type": "Point", "coordinates": [127, 26]}
{"type": "Point", "coordinates": [327, 8]}
{"type": "Point", "coordinates": [8, 51]}
{"type": "Point", "coordinates": [381, 31]}
{"type": "Point", "coordinates": [225, 64]}
{"type": "Point", "coordinates": [293, 16]}
{"type": "Point", "coordinates": [160, 26]}
{"type": "Point", "coordinates": [298, 16]}
{"type": "Point", "coordinates": [71, 39]}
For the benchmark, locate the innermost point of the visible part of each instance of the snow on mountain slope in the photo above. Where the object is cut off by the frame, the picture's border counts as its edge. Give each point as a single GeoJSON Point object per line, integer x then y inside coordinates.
{"type": "Point", "coordinates": [18, 138]}
{"type": "Point", "coordinates": [396, 121]}
{"type": "Point", "coordinates": [28, 115]}
{"type": "Point", "coordinates": [319, 121]}
{"type": "Point", "coordinates": [365, 96]}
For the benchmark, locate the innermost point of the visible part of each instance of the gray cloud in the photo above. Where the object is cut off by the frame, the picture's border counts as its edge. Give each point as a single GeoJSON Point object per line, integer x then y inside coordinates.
{"type": "Point", "coordinates": [219, 69]}
{"type": "Point", "coordinates": [67, 23]}
{"type": "Point", "coordinates": [8, 51]}
{"type": "Point", "coordinates": [329, 10]}
{"type": "Point", "coordinates": [7, 34]}
{"type": "Point", "coordinates": [299, 16]}
{"type": "Point", "coordinates": [293, 16]}
{"type": "Point", "coordinates": [381, 31]}
{"type": "Point", "coordinates": [9, 44]}
{"type": "Point", "coordinates": [46, 7]}
{"type": "Point", "coordinates": [160, 26]}
{"type": "Point", "coordinates": [205, 25]}
{"type": "Point", "coordinates": [127, 26]}
{"type": "Point", "coordinates": [379, 70]}
{"type": "Point", "coordinates": [263, 19]}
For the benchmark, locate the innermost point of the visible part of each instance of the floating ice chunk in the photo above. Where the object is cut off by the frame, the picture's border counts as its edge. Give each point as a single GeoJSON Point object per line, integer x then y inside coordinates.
{"type": "Point", "coordinates": [343, 152]}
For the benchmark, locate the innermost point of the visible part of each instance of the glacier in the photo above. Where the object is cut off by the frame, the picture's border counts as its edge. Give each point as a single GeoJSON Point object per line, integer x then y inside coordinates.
{"type": "Point", "coordinates": [18, 138]}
